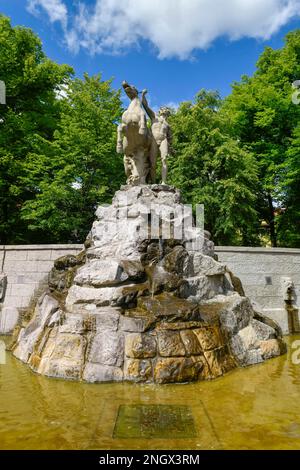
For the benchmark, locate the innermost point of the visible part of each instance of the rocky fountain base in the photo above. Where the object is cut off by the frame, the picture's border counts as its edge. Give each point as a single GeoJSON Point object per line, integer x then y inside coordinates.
{"type": "Point", "coordinates": [131, 307]}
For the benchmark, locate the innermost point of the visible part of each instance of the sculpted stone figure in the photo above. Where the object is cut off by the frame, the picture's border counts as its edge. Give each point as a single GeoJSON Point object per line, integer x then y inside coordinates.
{"type": "Point", "coordinates": [134, 139]}
{"type": "Point", "coordinates": [162, 138]}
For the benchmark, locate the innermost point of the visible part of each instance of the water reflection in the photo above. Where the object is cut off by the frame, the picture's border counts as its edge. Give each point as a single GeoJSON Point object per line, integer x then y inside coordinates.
{"type": "Point", "coordinates": [253, 408]}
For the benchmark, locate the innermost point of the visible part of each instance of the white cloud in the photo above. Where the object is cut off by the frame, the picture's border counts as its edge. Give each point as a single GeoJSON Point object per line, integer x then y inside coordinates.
{"type": "Point", "coordinates": [175, 27]}
{"type": "Point", "coordinates": [55, 9]}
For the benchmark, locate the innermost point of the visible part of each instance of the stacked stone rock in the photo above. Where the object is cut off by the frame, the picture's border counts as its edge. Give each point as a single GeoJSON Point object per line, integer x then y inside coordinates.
{"type": "Point", "coordinates": [139, 308]}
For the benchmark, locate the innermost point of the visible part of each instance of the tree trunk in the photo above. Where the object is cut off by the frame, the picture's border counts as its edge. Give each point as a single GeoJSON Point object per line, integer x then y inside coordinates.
{"type": "Point", "coordinates": [273, 234]}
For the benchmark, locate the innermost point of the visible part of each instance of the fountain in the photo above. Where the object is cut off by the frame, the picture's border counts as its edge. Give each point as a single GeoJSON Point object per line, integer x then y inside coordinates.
{"type": "Point", "coordinates": [140, 307]}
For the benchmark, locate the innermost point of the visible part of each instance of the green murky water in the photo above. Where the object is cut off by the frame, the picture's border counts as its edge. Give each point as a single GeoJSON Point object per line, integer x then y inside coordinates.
{"type": "Point", "coordinates": [253, 408]}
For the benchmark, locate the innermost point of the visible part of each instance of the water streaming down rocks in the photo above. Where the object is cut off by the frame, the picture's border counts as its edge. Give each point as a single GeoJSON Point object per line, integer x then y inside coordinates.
{"type": "Point", "coordinates": [131, 307]}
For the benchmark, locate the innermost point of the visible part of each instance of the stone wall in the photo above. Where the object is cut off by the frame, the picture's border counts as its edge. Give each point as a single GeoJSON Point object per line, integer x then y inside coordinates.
{"type": "Point", "coordinates": [26, 267]}
{"type": "Point", "coordinates": [261, 270]}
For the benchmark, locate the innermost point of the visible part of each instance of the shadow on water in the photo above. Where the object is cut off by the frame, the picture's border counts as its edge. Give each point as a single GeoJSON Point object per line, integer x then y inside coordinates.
{"type": "Point", "coordinates": [253, 408]}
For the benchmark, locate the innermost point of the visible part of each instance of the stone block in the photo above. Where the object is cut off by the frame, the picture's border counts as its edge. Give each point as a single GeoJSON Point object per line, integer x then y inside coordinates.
{"type": "Point", "coordinates": [100, 296]}
{"type": "Point", "coordinates": [107, 318]}
{"type": "Point", "coordinates": [140, 346]}
{"type": "Point", "coordinates": [63, 356]}
{"type": "Point", "coordinates": [170, 343]}
{"type": "Point", "coordinates": [134, 325]}
{"type": "Point", "coordinates": [254, 333]}
{"type": "Point", "coordinates": [205, 265]}
{"type": "Point", "coordinates": [179, 325]}
{"type": "Point", "coordinates": [72, 324]}
{"type": "Point", "coordinates": [39, 255]}
{"type": "Point", "coordinates": [269, 302]}
{"type": "Point", "coordinates": [29, 267]}
{"type": "Point", "coordinates": [209, 337]}
{"type": "Point", "coordinates": [100, 273]}
{"type": "Point", "coordinates": [219, 361]}
{"type": "Point", "coordinates": [237, 314]}
{"type": "Point", "coordinates": [16, 255]}
{"type": "Point", "coordinates": [272, 348]}
{"type": "Point", "coordinates": [9, 316]}
{"type": "Point", "coordinates": [31, 278]}
{"type": "Point", "coordinates": [25, 300]}
{"type": "Point", "coordinates": [253, 356]}
{"type": "Point", "coordinates": [101, 373]}
{"type": "Point", "coordinates": [57, 253]}
{"type": "Point", "coordinates": [249, 337]}
{"type": "Point", "coordinates": [22, 289]}
{"type": "Point", "coordinates": [262, 331]}
{"type": "Point", "coordinates": [106, 212]}
{"type": "Point", "coordinates": [12, 300]}
{"type": "Point", "coordinates": [127, 197]}
{"type": "Point", "coordinates": [44, 266]}
{"type": "Point", "coordinates": [279, 315]}
{"type": "Point", "coordinates": [177, 369]}
{"type": "Point", "coordinates": [203, 287]}
{"type": "Point", "coordinates": [107, 348]}
{"type": "Point", "coordinates": [138, 370]}
{"type": "Point", "coordinates": [13, 266]}
{"type": "Point", "coordinates": [191, 343]}
{"type": "Point", "coordinates": [29, 336]}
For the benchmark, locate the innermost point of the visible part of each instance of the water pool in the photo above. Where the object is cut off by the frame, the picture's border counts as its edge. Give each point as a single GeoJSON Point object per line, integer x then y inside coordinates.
{"type": "Point", "coordinates": [253, 408]}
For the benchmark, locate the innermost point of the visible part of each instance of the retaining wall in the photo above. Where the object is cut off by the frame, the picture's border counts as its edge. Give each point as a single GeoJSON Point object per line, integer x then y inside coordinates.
{"type": "Point", "coordinates": [26, 267]}
{"type": "Point", "coordinates": [261, 270]}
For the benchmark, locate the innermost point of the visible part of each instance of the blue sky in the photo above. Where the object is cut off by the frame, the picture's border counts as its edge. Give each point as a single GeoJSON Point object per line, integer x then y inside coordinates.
{"type": "Point", "coordinates": [171, 47]}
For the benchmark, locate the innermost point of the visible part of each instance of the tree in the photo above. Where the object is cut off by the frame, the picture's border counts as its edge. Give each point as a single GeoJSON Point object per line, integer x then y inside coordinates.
{"type": "Point", "coordinates": [289, 221]}
{"type": "Point", "coordinates": [79, 168]}
{"type": "Point", "coordinates": [32, 109]}
{"type": "Point", "coordinates": [260, 112]}
{"type": "Point", "coordinates": [210, 168]}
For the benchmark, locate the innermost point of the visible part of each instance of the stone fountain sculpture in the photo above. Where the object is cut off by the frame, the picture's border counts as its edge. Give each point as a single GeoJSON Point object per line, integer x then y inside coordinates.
{"type": "Point", "coordinates": [140, 144]}
{"type": "Point", "coordinates": [162, 137]}
{"type": "Point", "coordinates": [146, 300]}
{"type": "Point", "coordinates": [134, 139]}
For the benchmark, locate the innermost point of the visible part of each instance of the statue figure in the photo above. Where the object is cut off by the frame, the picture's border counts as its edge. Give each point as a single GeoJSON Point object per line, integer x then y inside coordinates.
{"type": "Point", "coordinates": [162, 138]}
{"type": "Point", "coordinates": [134, 139]}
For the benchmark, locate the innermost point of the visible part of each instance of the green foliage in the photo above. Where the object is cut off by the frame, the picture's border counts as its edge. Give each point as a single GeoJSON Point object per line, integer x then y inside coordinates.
{"type": "Point", "coordinates": [211, 169]}
{"type": "Point", "coordinates": [32, 109]}
{"type": "Point", "coordinates": [57, 154]}
{"type": "Point", "coordinates": [240, 157]}
{"type": "Point", "coordinates": [289, 221]}
{"type": "Point", "coordinates": [79, 167]}
{"type": "Point", "coordinates": [260, 112]}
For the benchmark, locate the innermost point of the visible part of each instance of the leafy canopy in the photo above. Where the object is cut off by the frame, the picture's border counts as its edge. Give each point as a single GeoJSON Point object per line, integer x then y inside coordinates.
{"type": "Point", "coordinates": [211, 169]}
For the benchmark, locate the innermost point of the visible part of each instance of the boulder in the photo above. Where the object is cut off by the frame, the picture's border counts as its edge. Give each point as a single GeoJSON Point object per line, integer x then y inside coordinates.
{"type": "Point", "coordinates": [29, 336]}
